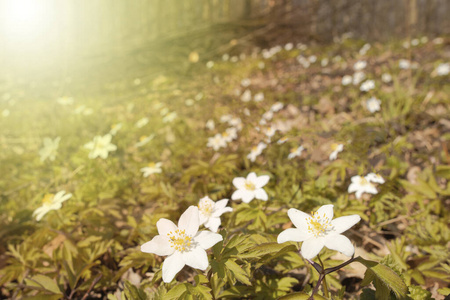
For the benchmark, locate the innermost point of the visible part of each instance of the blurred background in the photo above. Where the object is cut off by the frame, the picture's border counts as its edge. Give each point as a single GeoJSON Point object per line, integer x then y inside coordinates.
{"type": "Point", "coordinates": [106, 40]}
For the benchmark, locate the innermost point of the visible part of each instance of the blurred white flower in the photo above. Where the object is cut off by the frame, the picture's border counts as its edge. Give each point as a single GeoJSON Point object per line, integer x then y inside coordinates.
{"type": "Point", "coordinates": [324, 62]}
{"type": "Point", "coordinates": [225, 118]}
{"type": "Point", "coordinates": [364, 49]}
{"type": "Point", "coordinates": [361, 185]}
{"type": "Point", "coordinates": [216, 142]}
{"type": "Point", "coordinates": [115, 128]}
{"type": "Point", "coordinates": [250, 188]}
{"type": "Point", "coordinates": [50, 149]}
{"type": "Point", "coordinates": [170, 117]}
{"type": "Point", "coordinates": [100, 146]}
{"type": "Point", "coordinates": [230, 134]}
{"type": "Point", "coordinates": [386, 77]}
{"type": "Point", "coordinates": [151, 168]}
{"type": "Point", "coordinates": [183, 244]}
{"type": "Point", "coordinates": [367, 86]}
{"type": "Point", "coordinates": [295, 152]}
{"type": "Point", "coordinates": [256, 151]}
{"type": "Point", "coordinates": [404, 64]}
{"type": "Point", "coordinates": [189, 102]}
{"type": "Point", "coordinates": [360, 65]}
{"type": "Point", "coordinates": [210, 212]}
{"type": "Point", "coordinates": [210, 124]}
{"type": "Point", "coordinates": [276, 107]}
{"type": "Point", "coordinates": [415, 42]}
{"type": "Point", "coordinates": [443, 69]}
{"type": "Point", "coordinates": [246, 96]}
{"type": "Point", "coordinates": [312, 59]}
{"type": "Point", "coordinates": [83, 110]}
{"type": "Point", "coordinates": [236, 122]}
{"type": "Point", "coordinates": [358, 77]}
{"type": "Point", "coordinates": [288, 46]}
{"type": "Point", "coordinates": [51, 202]}
{"type": "Point", "coordinates": [5, 113]}
{"type": "Point", "coordinates": [282, 140]}
{"type": "Point", "coordinates": [268, 115]}
{"type": "Point", "coordinates": [336, 149]}
{"type": "Point", "coordinates": [210, 64]}
{"type": "Point", "coordinates": [303, 61]}
{"type": "Point", "coordinates": [261, 65]}
{"type": "Point", "coordinates": [258, 97]}
{"type": "Point", "coordinates": [142, 122]}
{"type": "Point", "coordinates": [225, 57]}
{"type": "Point", "coordinates": [144, 140]}
{"type": "Point", "coordinates": [346, 80]}
{"type": "Point", "coordinates": [319, 230]}
{"type": "Point", "coordinates": [373, 104]}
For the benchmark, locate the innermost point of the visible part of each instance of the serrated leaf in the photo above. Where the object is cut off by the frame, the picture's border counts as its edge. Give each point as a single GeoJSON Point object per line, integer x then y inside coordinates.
{"type": "Point", "coordinates": [46, 282]}
{"type": "Point", "coordinates": [301, 296]}
{"type": "Point", "coordinates": [385, 275]}
{"type": "Point", "coordinates": [176, 292]}
{"type": "Point", "coordinates": [238, 272]}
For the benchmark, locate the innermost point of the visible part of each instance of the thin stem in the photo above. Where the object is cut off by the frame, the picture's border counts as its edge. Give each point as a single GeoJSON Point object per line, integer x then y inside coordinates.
{"type": "Point", "coordinates": [325, 287]}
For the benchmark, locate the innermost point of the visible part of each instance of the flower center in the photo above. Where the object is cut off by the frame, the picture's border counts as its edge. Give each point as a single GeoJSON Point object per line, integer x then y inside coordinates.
{"type": "Point", "coordinates": [364, 181]}
{"type": "Point", "coordinates": [142, 138]}
{"type": "Point", "coordinates": [334, 146]}
{"type": "Point", "coordinates": [48, 199]}
{"type": "Point", "coordinates": [151, 165]}
{"type": "Point", "coordinates": [318, 225]}
{"type": "Point", "coordinates": [255, 148]}
{"type": "Point", "coordinates": [180, 240]}
{"type": "Point", "coordinates": [293, 150]}
{"type": "Point", "coordinates": [206, 208]}
{"type": "Point", "coordinates": [249, 186]}
{"type": "Point", "coordinates": [225, 134]}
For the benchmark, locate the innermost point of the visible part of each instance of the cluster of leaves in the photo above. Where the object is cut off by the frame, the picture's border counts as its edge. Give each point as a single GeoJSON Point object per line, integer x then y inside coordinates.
{"type": "Point", "coordinates": [91, 246]}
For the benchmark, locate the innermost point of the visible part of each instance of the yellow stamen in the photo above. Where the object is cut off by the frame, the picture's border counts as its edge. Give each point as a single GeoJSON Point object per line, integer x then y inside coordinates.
{"type": "Point", "coordinates": [249, 186]}
{"type": "Point", "coordinates": [317, 225]}
{"type": "Point", "coordinates": [334, 146]}
{"type": "Point", "coordinates": [180, 240]}
{"type": "Point", "coordinates": [48, 199]}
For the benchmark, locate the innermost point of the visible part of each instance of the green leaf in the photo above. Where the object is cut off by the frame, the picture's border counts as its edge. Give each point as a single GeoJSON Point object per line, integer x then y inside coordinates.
{"type": "Point", "coordinates": [175, 292]}
{"type": "Point", "coordinates": [300, 296]}
{"type": "Point", "coordinates": [238, 272]}
{"type": "Point", "coordinates": [45, 282]}
{"type": "Point", "coordinates": [134, 293]}
{"type": "Point", "coordinates": [383, 275]}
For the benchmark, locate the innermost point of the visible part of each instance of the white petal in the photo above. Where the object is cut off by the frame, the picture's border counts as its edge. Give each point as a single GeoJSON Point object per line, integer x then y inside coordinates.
{"type": "Point", "coordinates": [326, 211]}
{"type": "Point", "coordinates": [247, 196]}
{"type": "Point", "coordinates": [340, 243]}
{"type": "Point", "coordinates": [239, 182]}
{"type": "Point", "coordinates": [298, 218]}
{"type": "Point", "coordinates": [261, 181]}
{"type": "Point", "coordinates": [159, 245]}
{"type": "Point", "coordinates": [292, 234]}
{"type": "Point", "coordinates": [213, 224]}
{"type": "Point", "coordinates": [359, 194]}
{"type": "Point", "coordinates": [252, 177]}
{"type": "Point", "coordinates": [206, 239]}
{"type": "Point", "coordinates": [344, 223]}
{"type": "Point", "coordinates": [371, 189]}
{"type": "Point", "coordinates": [312, 247]}
{"type": "Point", "coordinates": [202, 219]}
{"type": "Point", "coordinates": [353, 187]}
{"type": "Point", "coordinates": [196, 258]}
{"type": "Point", "coordinates": [40, 212]}
{"type": "Point", "coordinates": [218, 213]}
{"type": "Point", "coordinates": [261, 194]}
{"type": "Point", "coordinates": [189, 221]}
{"type": "Point", "coordinates": [171, 266]}
{"type": "Point", "coordinates": [237, 195]}
{"type": "Point", "coordinates": [220, 204]}
{"type": "Point", "coordinates": [165, 226]}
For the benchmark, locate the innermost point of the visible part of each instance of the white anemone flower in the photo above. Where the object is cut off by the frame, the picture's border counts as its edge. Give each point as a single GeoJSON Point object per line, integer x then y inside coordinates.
{"type": "Point", "coordinates": [50, 149]}
{"type": "Point", "coordinates": [151, 168]}
{"type": "Point", "coordinates": [373, 104]}
{"type": "Point", "coordinates": [236, 122]}
{"type": "Point", "coordinates": [250, 188]}
{"type": "Point", "coordinates": [51, 202]}
{"type": "Point", "coordinates": [359, 65]}
{"type": "Point", "coordinates": [100, 146]}
{"type": "Point", "coordinates": [373, 177]}
{"type": "Point", "coordinates": [65, 101]}
{"type": "Point", "coordinates": [258, 97]}
{"type": "Point", "coordinates": [210, 212]}
{"type": "Point", "coordinates": [144, 140]}
{"type": "Point", "coordinates": [282, 140]}
{"type": "Point", "coordinates": [170, 117]}
{"type": "Point", "coordinates": [210, 124]}
{"type": "Point", "coordinates": [183, 244]}
{"type": "Point", "coordinates": [230, 134]}
{"type": "Point", "coordinates": [319, 230]}
{"type": "Point", "coordinates": [256, 151]}
{"type": "Point", "coordinates": [386, 77]}
{"type": "Point", "coordinates": [295, 152]}
{"type": "Point", "coordinates": [336, 149]}
{"type": "Point", "coordinates": [404, 64]}
{"type": "Point", "coordinates": [245, 82]}
{"type": "Point", "coordinates": [361, 185]}
{"type": "Point", "coordinates": [216, 142]}
{"type": "Point", "coordinates": [367, 86]}
{"type": "Point", "coordinates": [358, 77]}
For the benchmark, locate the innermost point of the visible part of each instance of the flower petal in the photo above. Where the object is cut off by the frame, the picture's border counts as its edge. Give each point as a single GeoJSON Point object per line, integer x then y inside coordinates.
{"type": "Point", "coordinates": [220, 204]}
{"type": "Point", "coordinates": [213, 224]}
{"type": "Point", "coordinates": [353, 187]}
{"type": "Point", "coordinates": [165, 226]}
{"type": "Point", "coordinates": [261, 181]}
{"type": "Point", "coordinates": [196, 258]}
{"type": "Point", "coordinates": [292, 234]}
{"type": "Point", "coordinates": [237, 195]}
{"type": "Point", "coordinates": [206, 239]}
{"type": "Point", "coordinates": [239, 182]}
{"type": "Point", "coordinates": [159, 245]}
{"type": "Point", "coordinates": [261, 194]}
{"type": "Point", "coordinates": [252, 177]}
{"type": "Point", "coordinates": [340, 243]}
{"type": "Point", "coordinates": [312, 247]}
{"type": "Point", "coordinates": [171, 266]}
{"type": "Point", "coordinates": [189, 221]}
{"type": "Point", "coordinates": [344, 223]}
{"type": "Point", "coordinates": [218, 213]}
{"type": "Point", "coordinates": [247, 196]}
{"type": "Point", "coordinates": [326, 211]}
{"type": "Point", "coordinates": [298, 218]}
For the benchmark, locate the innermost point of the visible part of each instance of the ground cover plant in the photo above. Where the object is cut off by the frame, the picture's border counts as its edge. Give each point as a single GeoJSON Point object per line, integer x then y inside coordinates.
{"type": "Point", "coordinates": [290, 172]}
